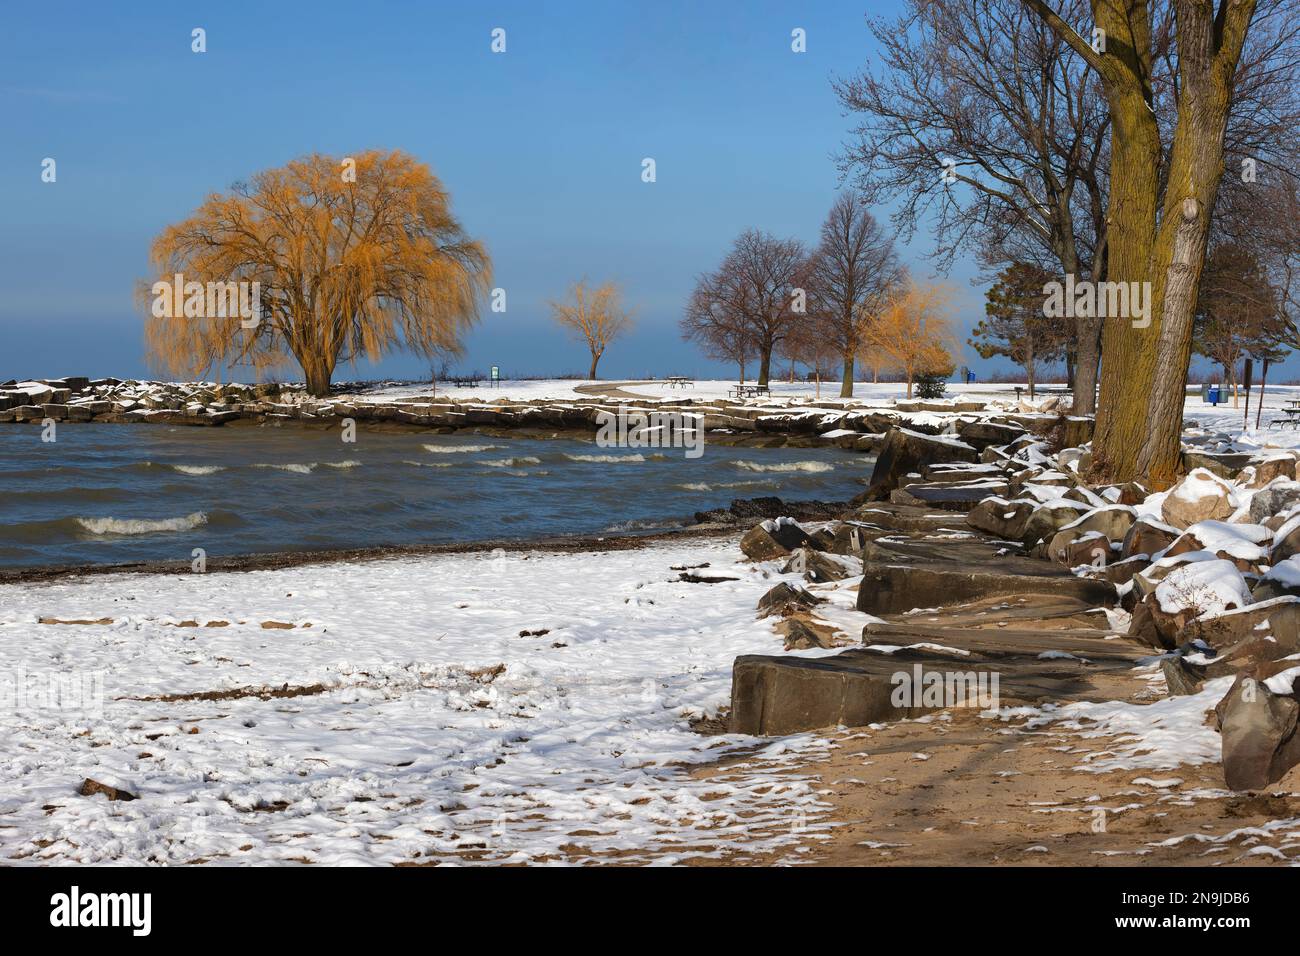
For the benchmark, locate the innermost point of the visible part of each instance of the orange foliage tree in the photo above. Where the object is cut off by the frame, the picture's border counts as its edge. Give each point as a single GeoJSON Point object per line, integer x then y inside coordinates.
{"type": "Point", "coordinates": [594, 315]}
{"type": "Point", "coordinates": [913, 332]}
{"type": "Point", "coordinates": [353, 256]}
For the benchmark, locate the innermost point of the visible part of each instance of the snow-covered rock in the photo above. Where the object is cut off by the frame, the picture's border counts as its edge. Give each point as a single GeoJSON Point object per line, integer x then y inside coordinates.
{"type": "Point", "coordinates": [1201, 496]}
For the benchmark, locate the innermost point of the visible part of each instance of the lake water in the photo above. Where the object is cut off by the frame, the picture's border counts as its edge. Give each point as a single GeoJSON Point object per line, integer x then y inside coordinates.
{"type": "Point", "coordinates": [109, 493]}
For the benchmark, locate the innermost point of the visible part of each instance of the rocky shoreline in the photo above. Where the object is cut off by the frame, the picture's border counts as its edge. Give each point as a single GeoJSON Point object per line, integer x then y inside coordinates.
{"type": "Point", "coordinates": [1203, 579]}
{"type": "Point", "coordinates": [853, 426]}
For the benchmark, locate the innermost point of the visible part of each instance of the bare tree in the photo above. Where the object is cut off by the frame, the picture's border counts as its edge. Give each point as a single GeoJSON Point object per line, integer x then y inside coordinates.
{"type": "Point", "coordinates": [982, 121]}
{"type": "Point", "coordinates": [713, 321]}
{"type": "Point", "coordinates": [989, 119]}
{"type": "Point", "coordinates": [1237, 312]}
{"type": "Point", "coordinates": [593, 315]}
{"type": "Point", "coordinates": [1265, 219]}
{"type": "Point", "coordinates": [852, 272]}
{"type": "Point", "coordinates": [755, 289]}
{"type": "Point", "coordinates": [808, 345]}
{"type": "Point", "coordinates": [439, 370]}
{"type": "Point", "coordinates": [1171, 82]}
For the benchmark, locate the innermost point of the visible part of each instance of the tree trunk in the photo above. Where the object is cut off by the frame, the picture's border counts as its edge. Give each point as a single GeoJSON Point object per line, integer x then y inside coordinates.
{"type": "Point", "coordinates": [317, 370]}
{"type": "Point", "coordinates": [318, 383]}
{"type": "Point", "coordinates": [1085, 352]}
{"type": "Point", "coordinates": [1144, 375]}
{"type": "Point", "coordinates": [1127, 372]}
{"type": "Point", "coordinates": [846, 384]}
{"type": "Point", "coordinates": [765, 364]}
{"type": "Point", "coordinates": [1083, 378]}
{"type": "Point", "coordinates": [1185, 236]}
{"type": "Point", "coordinates": [742, 373]}
{"type": "Point", "coordinates": [595, 357]}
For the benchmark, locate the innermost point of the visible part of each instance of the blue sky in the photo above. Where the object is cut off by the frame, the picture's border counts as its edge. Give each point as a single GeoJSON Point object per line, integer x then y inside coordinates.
{"type": "Point", "coordinates": [540, 147]}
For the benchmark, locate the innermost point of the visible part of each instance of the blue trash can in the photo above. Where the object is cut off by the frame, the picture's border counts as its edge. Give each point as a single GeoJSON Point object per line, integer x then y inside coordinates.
{"type": "Point", "coordinates": [1213, 396]}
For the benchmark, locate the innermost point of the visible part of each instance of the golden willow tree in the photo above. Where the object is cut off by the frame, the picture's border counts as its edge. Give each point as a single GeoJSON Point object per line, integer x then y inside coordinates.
{"type": "Point", "coordinates": [913, 332]}
{"type": "Point", "coordinates": [1161, 198]}
{"type": "Point", "coordinates": [353, 256]}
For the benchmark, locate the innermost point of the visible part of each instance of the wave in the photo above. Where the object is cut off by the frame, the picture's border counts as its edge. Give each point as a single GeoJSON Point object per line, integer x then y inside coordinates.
{"type": "Point", "coordinates": [126, 526]}
{"type": "Point", "coordinates": [646, 524]}
{"type": "Point", "coordinates": [295, 468]}
{"type": "Point", "coordinates": [705, 486]}
{"type": "Point", "coordinates": [607, 458]}
{"type": "Point", "coordinates": [455, 449]}
{"type": "Point", "coordinates": [428, 464]}
{"type": "Point", "coordinates": [511, 462]}
{"type": "Point", "coordinates": [787, 466]}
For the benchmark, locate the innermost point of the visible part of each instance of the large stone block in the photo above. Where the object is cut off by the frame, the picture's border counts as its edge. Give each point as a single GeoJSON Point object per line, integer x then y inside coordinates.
{"type": "Point", "coordinates": [788, 695]}
{"type": "Point", "coordinates": [773, 538]}
{"type": "Point", "coordinates": [1258, 730]}
{"type": "Point", "coordinates": [997, 516]}
{"type": "Point", "coordinates": [892, 588]}
{"type": "Point", "coordinates": [906, 451]}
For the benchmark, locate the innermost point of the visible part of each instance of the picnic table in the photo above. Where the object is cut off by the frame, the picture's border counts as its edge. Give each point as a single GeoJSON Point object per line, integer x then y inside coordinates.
{"type": "Point", "coordinates": [679, 381]}
{"type": "Point", "coordinates": [1041, 391]}
{"type": "Point", "coordinates": [750, 391]}
{"type": "Point", "coordinates": [1290, 415]}
{"type": "Point", "coordinates": [464, 381]}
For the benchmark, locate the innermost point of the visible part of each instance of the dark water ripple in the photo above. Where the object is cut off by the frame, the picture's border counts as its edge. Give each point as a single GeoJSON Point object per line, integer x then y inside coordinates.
{"type": "Point", "coordinates": [106, 493]}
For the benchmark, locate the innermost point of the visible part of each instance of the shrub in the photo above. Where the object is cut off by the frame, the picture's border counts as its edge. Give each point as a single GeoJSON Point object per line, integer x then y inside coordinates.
{"type": "Point", "coordinates": [930, 386]}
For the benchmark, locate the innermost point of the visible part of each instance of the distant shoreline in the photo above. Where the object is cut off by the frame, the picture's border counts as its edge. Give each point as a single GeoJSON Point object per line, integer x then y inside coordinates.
{"type": "Point", "coordinates": [854, 424]}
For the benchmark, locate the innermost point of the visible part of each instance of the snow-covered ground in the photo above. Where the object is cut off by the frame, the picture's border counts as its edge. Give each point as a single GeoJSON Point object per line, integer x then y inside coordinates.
{"type": "Point", "coordinates": [1275, 429]}
{"type": "Point", "coordinates": [492, 707]}
{"type": "Point", "coordinates": [1223, 417]}
{"type": "Point", "coordinates": [883, 393]}
{"type": "Point", "coordinates": [782, 392]}
{"type": "Point", "coordinates": [429, 724]}
{"type": "Point", "coordinates": [558, 389]}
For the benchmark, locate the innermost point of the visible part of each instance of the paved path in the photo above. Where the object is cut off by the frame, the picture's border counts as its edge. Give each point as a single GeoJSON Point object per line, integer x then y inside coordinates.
{"type": "Point", "coordinates": [612, 389]}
